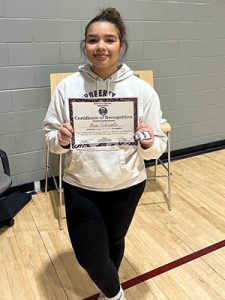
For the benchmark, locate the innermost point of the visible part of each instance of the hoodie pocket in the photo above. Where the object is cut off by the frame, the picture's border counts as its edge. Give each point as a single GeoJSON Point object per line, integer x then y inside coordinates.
{"type": "Point", "coordinates": [99, 169]}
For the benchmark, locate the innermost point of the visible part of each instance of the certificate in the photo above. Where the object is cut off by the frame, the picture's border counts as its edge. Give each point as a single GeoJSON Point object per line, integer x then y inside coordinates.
{"type": "Point", "coordinates": [103, 121]}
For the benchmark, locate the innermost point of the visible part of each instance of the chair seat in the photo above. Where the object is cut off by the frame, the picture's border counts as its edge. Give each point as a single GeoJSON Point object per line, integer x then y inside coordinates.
{"type": "Point", "coordinates": [165, 127]}
{"type": "Point", "coordinates": [5, 182]}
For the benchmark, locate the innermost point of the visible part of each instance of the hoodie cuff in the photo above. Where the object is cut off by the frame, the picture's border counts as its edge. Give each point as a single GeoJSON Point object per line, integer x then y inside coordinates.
{"type": "Point", "coordinates": [56, 148]}
{"type": "Point", "coordinates": [154, 152]}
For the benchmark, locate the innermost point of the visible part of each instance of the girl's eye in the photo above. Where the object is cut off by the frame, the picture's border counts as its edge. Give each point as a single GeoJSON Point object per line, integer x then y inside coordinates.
{"type": "Point", "coordinates": [110, 41]}
{"type": "Point", "coordinates": [91, 41]}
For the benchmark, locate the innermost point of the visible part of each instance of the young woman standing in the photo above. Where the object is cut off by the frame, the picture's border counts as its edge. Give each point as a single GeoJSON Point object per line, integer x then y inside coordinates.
{"type": "Point", "coordinates": [103, 185]}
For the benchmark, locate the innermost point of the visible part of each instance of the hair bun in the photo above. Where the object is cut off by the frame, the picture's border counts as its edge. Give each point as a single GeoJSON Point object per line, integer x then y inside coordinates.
{"type": "Point", "coordinates": [110, 11]}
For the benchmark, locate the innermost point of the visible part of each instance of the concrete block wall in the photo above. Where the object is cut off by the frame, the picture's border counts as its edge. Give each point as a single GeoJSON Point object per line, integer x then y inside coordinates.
{"type": "Point", "coordinates": [183, 42]}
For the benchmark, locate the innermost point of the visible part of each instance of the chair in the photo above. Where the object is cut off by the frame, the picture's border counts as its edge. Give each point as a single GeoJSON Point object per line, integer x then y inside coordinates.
{"type": "Point", "coordinates": [55, 78]}
{"type": "Point", "coordinates": [147, 75]}
{"type": "Point", "coordinates": [10, 202]}
{"type": "Point", "coordinates": [5, 179]}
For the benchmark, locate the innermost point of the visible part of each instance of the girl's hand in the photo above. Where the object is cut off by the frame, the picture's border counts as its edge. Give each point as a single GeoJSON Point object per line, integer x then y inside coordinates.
{"type": "Point", "coordinates": [65, 133]}
{"type": "Point", "coordinates": [145, 144]}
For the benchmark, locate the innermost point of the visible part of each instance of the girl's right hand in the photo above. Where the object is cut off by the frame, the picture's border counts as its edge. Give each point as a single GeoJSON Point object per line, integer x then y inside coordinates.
{"type": "Point", "coordinates": [65, 133]}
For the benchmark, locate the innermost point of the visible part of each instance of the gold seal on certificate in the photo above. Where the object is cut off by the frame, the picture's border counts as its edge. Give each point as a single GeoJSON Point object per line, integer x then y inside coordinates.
{"type": "Point", "coordinates": [103, 121]}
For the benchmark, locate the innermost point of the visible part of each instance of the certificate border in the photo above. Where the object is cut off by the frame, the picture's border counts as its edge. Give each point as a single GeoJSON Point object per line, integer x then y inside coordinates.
{"type": "Point", "coordinates": [108, 99]}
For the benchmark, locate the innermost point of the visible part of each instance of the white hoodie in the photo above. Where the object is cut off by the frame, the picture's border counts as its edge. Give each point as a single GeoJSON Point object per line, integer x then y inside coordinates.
{"type": "Point", "coordinates": [105, 168]}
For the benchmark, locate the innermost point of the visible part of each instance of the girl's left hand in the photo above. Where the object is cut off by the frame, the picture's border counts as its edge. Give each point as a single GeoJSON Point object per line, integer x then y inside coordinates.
{"type": "Point", "coordinates": [145, 144]}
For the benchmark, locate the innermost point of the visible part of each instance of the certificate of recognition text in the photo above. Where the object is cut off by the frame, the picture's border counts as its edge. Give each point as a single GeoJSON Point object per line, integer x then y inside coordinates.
{"type": "Point", "coordinates": [103, 121]}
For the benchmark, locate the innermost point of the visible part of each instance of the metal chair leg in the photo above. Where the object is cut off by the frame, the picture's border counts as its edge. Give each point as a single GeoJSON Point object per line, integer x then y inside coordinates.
{"type": "Point", "coordinates": [60, 190]}
{"type": "Point", "coordinates": [169, 171]}
{"type": "Point", "coordinates": [168, 174]}
{"type": "Point", "coordinates": [58, 186]}
{"type": "Point", "coordinates": [46, 170]}
{"type": "Point", "coordinates": [155, 167]}
{"type": "Point", "coordinates": [60, 209]}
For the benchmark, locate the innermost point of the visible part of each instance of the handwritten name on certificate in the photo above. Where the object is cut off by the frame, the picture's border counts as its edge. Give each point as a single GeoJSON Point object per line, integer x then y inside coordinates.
{"type": "Point", "coordinates": [103, 121]}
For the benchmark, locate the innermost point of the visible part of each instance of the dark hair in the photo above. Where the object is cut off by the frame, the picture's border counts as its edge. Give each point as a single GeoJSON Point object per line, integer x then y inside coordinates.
{"type": "Point", "coordinates": [110, 15]}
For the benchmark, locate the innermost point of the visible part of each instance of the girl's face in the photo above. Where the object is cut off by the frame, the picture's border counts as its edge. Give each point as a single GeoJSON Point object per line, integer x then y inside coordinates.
{"type": "Point", "coordinates": [103, 47]}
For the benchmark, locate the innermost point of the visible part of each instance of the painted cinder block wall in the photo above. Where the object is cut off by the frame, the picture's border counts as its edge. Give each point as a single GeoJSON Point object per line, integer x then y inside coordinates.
{"type": "Point", "coordinates": [183, 42]}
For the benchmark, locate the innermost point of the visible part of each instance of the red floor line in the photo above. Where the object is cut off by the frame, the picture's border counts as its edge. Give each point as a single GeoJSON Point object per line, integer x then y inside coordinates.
{"type": "Point", "coordinates": [165, 268]}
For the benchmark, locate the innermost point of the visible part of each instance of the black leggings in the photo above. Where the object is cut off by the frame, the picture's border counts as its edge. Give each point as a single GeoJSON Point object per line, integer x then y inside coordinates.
{"type": "Point", "coordinates": [97, 224]}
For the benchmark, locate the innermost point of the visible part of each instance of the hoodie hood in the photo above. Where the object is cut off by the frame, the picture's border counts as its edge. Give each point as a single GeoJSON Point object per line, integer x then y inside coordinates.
{"type": "Point", "coordinates": [122, 73]}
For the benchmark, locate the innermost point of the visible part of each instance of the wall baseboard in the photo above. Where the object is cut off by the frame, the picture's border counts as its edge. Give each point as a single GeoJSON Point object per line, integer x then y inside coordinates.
{"type": "Point", "coordinates": [196, 150]}
{"type": "Point", "coordinates": [175, 155]}
{"type": "Point", "coordinates": [25, 188]}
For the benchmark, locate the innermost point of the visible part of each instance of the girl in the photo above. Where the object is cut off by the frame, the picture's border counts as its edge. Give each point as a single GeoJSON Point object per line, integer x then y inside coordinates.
{"type": "Point", "coordinates": [103, 185]}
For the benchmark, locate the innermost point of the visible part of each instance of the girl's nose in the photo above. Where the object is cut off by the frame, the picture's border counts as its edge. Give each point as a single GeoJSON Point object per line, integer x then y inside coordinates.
{"type": "Point", "coordinates": [101, 44]}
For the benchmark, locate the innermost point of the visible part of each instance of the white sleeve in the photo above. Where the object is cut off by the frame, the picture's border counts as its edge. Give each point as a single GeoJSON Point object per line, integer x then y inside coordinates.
{"type": "Point", "coordinates": [151, 114]}
{"type": "Point", "coordinates": [55, 117]}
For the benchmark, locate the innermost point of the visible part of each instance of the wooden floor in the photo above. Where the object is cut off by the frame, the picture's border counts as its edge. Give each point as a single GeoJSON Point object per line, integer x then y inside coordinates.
{"type": "Point", "coordinates": [37, 261]}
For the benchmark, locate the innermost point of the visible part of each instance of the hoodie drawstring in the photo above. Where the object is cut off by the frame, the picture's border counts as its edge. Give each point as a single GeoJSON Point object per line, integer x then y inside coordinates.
{"type": "Point", "coordinates": [108, 85]}
{"type": "Point", "coordinates": [97, 85]}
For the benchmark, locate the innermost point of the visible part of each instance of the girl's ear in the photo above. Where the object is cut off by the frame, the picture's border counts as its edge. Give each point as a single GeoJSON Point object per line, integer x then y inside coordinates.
{"type": "Point", "coordinates": [122, 50]}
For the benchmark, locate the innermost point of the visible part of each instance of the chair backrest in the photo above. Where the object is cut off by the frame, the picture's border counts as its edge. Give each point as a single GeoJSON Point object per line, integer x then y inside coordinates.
{"type": "Point", "coordinates": [146, 75]}
{"type": "Point", "coordinates": [55, 78]}
{"type": "Point", "coordinates": [5, 179]}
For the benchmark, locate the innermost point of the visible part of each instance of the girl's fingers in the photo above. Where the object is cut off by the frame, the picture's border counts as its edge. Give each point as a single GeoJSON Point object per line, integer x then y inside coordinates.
{"type": "Point", "coordinates": [65, 134]}
{"type": "Point", "coordinates": [145, 128]}
{"type": "Point", "coordinates": [68, 127]}
{"type": "Point", "coordinates": [147, 135]}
